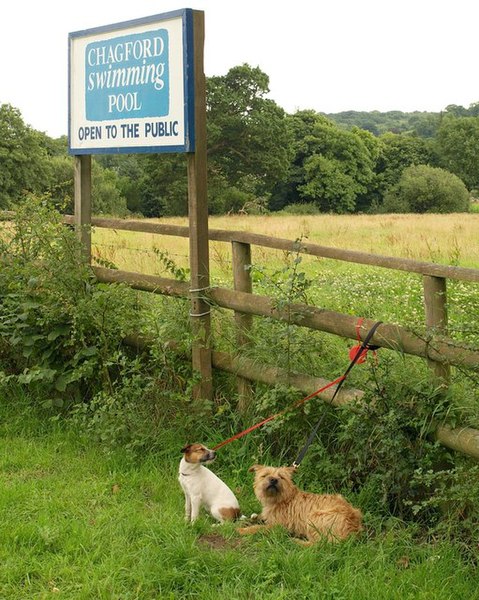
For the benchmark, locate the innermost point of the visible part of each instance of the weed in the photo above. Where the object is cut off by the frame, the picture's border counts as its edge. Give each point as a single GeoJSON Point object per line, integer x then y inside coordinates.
{"type": "Point", "coordinates": [170, 265]}
{"type": "Point", "coordinates": [287, 285]}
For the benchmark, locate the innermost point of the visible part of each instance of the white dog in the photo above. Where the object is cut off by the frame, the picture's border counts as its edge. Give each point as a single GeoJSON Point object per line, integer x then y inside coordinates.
{"type": "Point", "coordinates": [203, 488]}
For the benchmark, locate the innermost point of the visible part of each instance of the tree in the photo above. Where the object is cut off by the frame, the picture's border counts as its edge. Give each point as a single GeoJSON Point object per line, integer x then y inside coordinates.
{"type": "Point", "coordinates": [285, 191]}
{"type": "Point", "coordinates": [128, 167]}
{"type": "Point", "coordinates": [332, 167]}
{"type": "Point", "coordinates": [401, 151]}
{"type": "Point", "coordinates": [458, 148]}
{"type": "Point", "coordinates": [248, 135]}
{"type": "Point", "coordinates": [163, 185]}
{"type": "Point", "coordinates": [366, 197]}
{"type": "Point", "coordinates": [249, 149]}
{"type": "Point", "coordinates": [23, 158]}
{"type": "Point", "coordinates": [60, 184]}
{"type": "Point", "coordinates": [327, 185]}
{"type": "Point", "coordinates": [425, 189]}
{"type": "Point", "coordinates": [397, 152]}
{"type": "Point", "coordinates": [474, 109]}
{"type": "Point", "coordinates": [456, 110]}
{"type": "Point", "coordinates": [423, 124]}
{"type": "Point", "coordinates": [105, 193]}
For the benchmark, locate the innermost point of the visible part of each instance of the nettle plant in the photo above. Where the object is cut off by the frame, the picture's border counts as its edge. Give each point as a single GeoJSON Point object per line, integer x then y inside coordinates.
{"type": "Point", "coordinates": [287, 285]}
{"type": "Point", "coordinates": [58, 326]}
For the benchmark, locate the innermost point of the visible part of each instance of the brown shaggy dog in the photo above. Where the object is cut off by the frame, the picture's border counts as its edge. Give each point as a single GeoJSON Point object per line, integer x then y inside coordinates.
{"type": "Point", "coordinates": [306, 515]}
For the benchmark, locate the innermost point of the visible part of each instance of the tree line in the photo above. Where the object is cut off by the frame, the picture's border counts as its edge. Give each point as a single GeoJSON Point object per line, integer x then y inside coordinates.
{"type": "Point", "coordinates": [262, 159]}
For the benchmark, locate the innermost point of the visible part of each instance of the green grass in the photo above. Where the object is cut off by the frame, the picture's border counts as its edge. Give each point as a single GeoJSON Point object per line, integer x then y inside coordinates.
{"type": "Point", "coordinates": [78, 523]}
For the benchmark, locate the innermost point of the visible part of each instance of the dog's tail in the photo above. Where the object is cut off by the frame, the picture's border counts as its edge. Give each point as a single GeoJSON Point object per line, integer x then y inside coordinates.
{"type": "Point", "coordinates": [355, 520]}
{"type": "Point", "coordinates": [229, 513]}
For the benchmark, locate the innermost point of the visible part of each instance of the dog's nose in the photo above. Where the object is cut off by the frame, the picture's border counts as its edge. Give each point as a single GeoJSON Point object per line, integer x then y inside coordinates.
{"type": "Point", "coordinates": [273, 480]}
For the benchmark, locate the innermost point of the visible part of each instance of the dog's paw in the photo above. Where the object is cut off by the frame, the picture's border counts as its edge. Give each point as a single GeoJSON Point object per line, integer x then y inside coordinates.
{"type": "Point", "coordinates": [304, 543]}
{"type": "Point", "coordinates": [251, 529]}
{"type": "Point", "coordinates": [254, 517]}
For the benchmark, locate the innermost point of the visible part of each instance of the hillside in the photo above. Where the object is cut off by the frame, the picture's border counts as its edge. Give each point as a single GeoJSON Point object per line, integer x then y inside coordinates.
{"type": "Point", "coordinates": [424, 124]}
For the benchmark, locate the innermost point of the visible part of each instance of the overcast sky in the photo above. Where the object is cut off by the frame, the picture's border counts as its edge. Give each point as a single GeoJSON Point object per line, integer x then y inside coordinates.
{"type": "Point", "coordinates": [327, 55]}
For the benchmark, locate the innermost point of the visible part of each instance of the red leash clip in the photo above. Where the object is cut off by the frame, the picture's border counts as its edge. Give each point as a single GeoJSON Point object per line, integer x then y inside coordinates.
{"type": "Point", "coordinates": [355, 349]}
{"type": "Point", "coordinates": [353, 352]}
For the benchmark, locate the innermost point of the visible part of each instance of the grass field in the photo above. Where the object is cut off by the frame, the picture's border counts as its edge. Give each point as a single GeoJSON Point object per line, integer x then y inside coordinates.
{"type": "Point", "coordinates": [79, 524]}
{"type": "Point", "coordinates": [446, 239]}
{"type": "Point", "coordinates": [374, 292]}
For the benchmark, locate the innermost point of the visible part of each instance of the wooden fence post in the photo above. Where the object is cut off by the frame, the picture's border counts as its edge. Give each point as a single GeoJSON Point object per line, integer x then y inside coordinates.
{"type": "Point", "coordinates": [435, 297]}
{"type": "Point", "coordinates": [82, 192]}
{"type": "Point", "coordinates": [198, 225]}
{"type": "Point", "coordinates": [241, 254]}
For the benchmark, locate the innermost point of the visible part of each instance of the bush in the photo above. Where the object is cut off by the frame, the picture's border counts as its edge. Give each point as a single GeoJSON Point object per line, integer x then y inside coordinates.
{"type": "Point", "coordinates": [302, 208]}
{"type": "Point", "coordinates": [424, 189]}
{"type": "Point", "coordinates": [60, 329]}
{"type": "Point", "coordinates": [228, 200]}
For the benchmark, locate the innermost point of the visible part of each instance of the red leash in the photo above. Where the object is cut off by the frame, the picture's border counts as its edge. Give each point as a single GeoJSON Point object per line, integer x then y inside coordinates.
{"type": "Point", "coordinates": [356, 354]}
{"type": "Point", "coordinates": [294, 405]}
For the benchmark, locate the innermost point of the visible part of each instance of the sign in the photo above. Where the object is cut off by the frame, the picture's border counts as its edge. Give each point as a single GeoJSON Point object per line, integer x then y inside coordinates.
{"type": "Point", "coordinates": [131, 86]}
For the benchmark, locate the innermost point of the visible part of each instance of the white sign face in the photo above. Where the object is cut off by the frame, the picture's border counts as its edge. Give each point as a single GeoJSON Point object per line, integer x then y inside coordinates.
{"type": "Point", "coordinates": [131, 86]}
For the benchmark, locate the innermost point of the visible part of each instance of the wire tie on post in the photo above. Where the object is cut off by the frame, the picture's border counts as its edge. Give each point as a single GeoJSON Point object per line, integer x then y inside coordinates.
{"type": "Point", "coordinates": [200, 314]}
{"type": "Point", "coordinates": [200, 290]}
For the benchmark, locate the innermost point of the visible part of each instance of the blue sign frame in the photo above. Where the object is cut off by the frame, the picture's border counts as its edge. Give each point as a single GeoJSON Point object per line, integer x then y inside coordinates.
{"type": "Point", "coordinates": [138, 111]}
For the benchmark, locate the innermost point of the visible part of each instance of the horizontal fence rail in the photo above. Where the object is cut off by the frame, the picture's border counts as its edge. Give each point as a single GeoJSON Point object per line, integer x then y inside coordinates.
{"type": "Point", "coordinates": [460, 439]}
{"type": "Point", "coordinates": [256, 239]}
{"type": "Point", "coordinates": [389, 336]}
{"type": "Point", "coordinates": [254, 371]}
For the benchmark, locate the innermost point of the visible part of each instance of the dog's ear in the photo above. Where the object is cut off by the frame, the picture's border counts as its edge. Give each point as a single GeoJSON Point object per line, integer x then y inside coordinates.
{"type": "Point", "coordinates": [186, 448]}
{"type": "Point", "coordinates": [255, 468]}
{"type": "Point", "coordinates": [291, 470]}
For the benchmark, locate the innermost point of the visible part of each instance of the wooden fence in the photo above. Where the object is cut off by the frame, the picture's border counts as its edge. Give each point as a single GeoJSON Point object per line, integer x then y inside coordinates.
{"type": "Point", "coordinates": [433, 344]}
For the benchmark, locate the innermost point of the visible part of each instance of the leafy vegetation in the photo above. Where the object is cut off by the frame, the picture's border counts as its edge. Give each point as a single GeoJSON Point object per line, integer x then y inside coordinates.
{"type": "Point", "coordinates": [424, 189]}
{"type": "Point", "coordinates": [422, 124]}
{"type": "Point", "coordinates": [260, 159]}
{"type": "Point", "coordinates": [458, 140]}
{"type": "Point", "coordinates": [22, 157]}
{"type": "Point", "coordinates": [59, 330]}
{"type": "Point", "coordinates": [331, 167]}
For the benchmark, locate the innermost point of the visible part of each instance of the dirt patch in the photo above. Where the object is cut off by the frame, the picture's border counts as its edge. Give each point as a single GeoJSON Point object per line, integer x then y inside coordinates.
{"type": "Point", "coordinates": [215, 541]}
